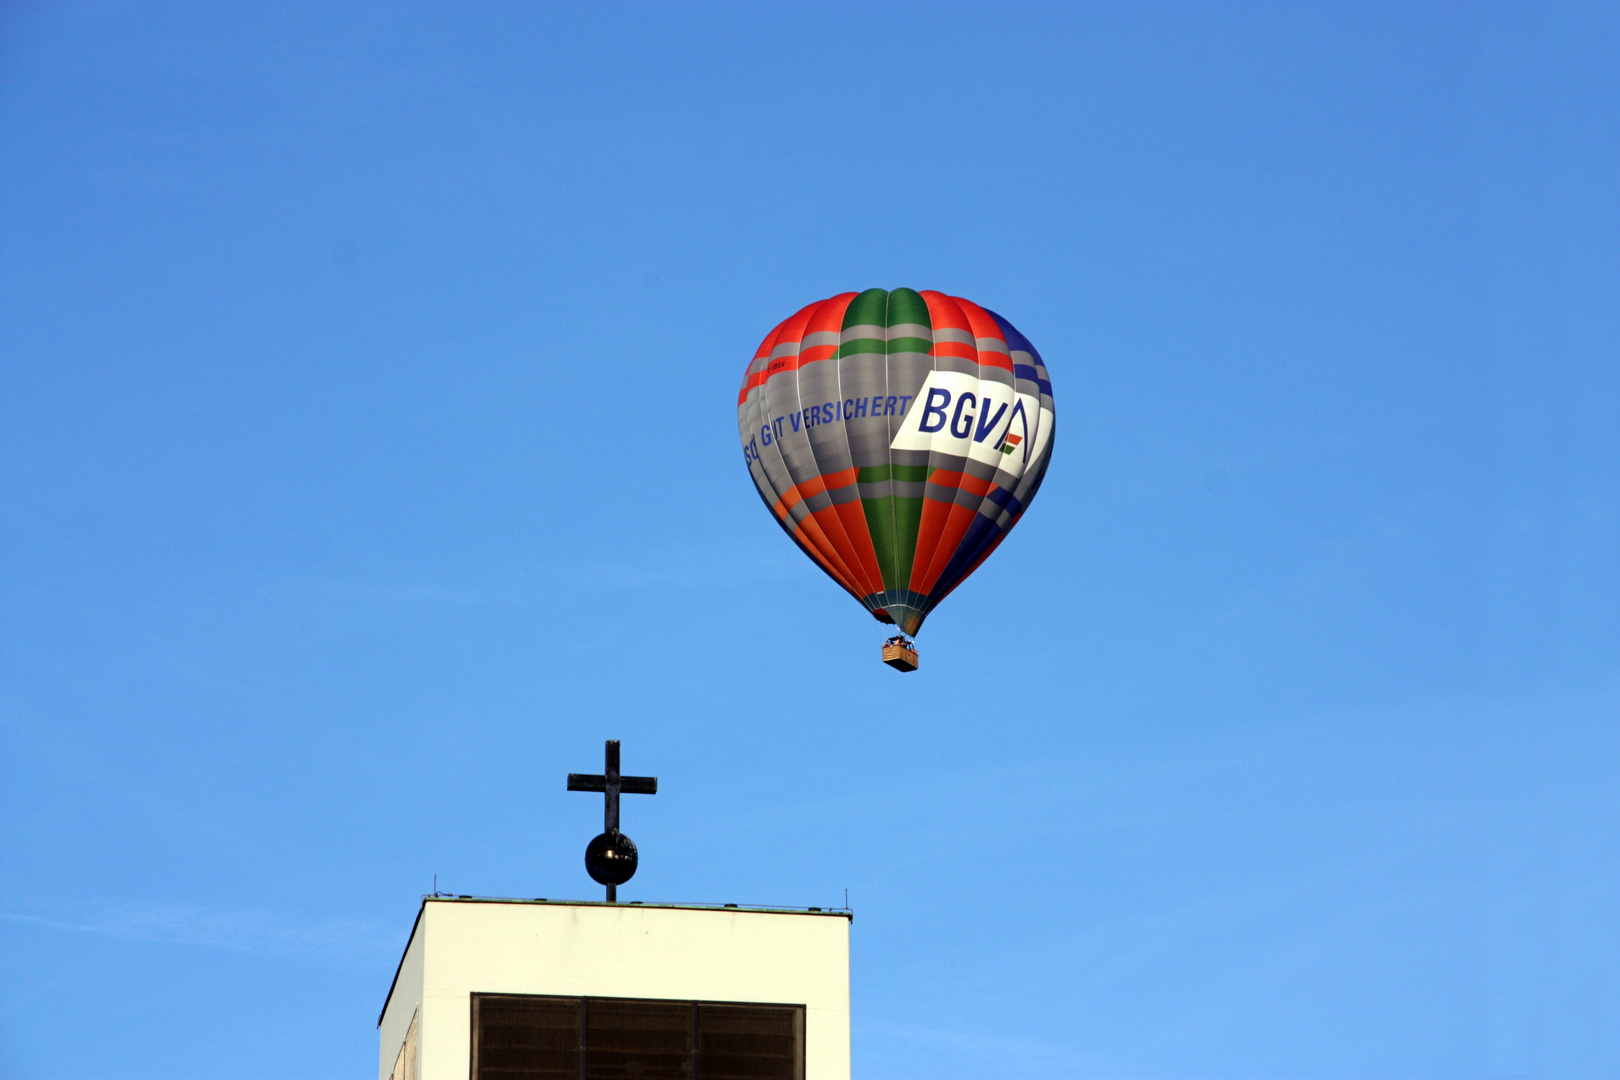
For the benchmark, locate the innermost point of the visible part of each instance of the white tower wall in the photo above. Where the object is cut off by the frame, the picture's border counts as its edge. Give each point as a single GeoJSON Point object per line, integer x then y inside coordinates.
{"type": "Point", "coordinates": [462, 947]}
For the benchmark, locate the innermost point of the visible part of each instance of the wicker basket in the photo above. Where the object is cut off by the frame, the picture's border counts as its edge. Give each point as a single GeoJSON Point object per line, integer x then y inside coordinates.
{"type": "Point", "coordinates": [900, 657]}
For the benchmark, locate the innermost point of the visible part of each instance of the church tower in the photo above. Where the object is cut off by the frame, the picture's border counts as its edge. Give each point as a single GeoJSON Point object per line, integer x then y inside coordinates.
{"type": "Point", "coordinates": [501, 989]}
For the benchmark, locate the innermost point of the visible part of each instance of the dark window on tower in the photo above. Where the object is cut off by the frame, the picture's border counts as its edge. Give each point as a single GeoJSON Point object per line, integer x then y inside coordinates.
{"type": "Point", "coordinates": [750, 1042]}
{"type": "Point", "coordinates": [526, 1038]}
{"type": "Point", "coordinates": [637, 1040]}
{"type": "Point", "coordinates": [523, 1037]}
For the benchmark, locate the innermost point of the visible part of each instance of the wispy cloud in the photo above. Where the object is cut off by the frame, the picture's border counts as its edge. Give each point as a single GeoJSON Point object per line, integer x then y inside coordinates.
{"type": "Point", "coordinates": [248, 931]}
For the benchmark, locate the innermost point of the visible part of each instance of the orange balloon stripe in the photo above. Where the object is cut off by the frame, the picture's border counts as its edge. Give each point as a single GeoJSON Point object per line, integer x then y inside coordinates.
{"type": "Point", "coordinates": [821, 560]}
{"type": "Point", "coordinates": [832, 522]}
{"type": "Point", "coordinates": [757, 378]}
{"type": "Point", "coordinates": [983, 326]}
{"type": "Point", "coordinates": [830, 482]}
{"type": "Point", "coordinates": [853, 516]}
{"type": "Point", "coordinates": [956, 348]}
{"type": "Point", "coordinates": [861, 573]}
{"type": "Point", "coordinates": [956, 527]}
{"type": "Point", "coordinates": [791, 330]}
{"type": "Point", "coordinates": [962, 481]}
{"type": "Point", "coordinates": [815, 535]}
{"type": "Point", "coordinates": [829, 316]}
{"type": "Point", "coordinates": [811, 528]}
{"type": "Point", "coordinates": [943, 311]}
{"type": "Point", "coordinates": [934, 516]}
{"type": "Point", "coordinates": [786, 503]}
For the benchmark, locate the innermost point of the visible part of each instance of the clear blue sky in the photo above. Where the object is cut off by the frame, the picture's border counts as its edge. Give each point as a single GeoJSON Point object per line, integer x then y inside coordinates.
{"type": "Point", "coordinates": [367, 426]}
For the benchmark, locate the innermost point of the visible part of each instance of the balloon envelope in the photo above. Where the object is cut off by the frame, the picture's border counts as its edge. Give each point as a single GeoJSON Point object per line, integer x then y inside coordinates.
{"type": "Point", "coordinates": [897, 437]}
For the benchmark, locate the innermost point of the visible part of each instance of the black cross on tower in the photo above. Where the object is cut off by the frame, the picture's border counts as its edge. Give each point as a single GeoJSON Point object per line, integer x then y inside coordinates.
{"type": "Point", "coordinates": [611, 858]}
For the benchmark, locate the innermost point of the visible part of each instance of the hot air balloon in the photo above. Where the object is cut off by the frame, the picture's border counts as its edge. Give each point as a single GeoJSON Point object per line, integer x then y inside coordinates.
{"type": "Point", "coordinates": [897, 437]}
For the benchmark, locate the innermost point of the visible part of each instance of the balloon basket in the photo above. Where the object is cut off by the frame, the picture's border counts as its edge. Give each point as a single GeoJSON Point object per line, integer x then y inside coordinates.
{"type": "Point", "coordinates": [900, 654]}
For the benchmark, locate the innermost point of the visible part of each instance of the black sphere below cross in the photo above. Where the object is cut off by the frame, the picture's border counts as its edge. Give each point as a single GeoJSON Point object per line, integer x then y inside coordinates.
{"type": "Point", "coordinates": [611, 858]}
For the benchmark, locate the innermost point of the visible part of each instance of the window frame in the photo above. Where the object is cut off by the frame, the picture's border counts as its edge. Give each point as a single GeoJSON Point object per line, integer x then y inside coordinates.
{"type": "Point", "coordinates": [800, 1025]}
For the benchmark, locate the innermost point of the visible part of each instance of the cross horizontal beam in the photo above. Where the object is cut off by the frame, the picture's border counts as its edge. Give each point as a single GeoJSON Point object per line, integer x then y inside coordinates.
{"type": "Point", "coordinates": [628, 785]}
